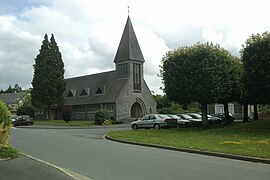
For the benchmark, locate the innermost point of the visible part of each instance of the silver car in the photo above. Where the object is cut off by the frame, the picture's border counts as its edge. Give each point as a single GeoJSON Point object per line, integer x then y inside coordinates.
{"type": "Point", "coordinates": [155, 121]}
{"type": "Point", "coordinates": [194, 121]}
{"type": "Point", "coordinates": [181, 122]}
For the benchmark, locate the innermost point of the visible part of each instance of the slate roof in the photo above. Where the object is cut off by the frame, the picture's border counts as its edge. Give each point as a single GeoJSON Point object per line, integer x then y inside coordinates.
{"type": "Point", "coordinates": [129, 48]}
{"type": "Point", "coordinates": [11, 98]}
{"type": "Point", "coordinates": [106, 81]}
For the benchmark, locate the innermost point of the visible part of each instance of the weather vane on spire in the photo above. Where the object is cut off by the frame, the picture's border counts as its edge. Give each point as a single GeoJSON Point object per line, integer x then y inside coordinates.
{"type": "Point", "coordinates": [128, 9]}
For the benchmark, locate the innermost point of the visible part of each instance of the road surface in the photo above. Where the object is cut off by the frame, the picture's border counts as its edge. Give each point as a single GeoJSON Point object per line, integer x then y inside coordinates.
{"type": "Point", "coordinates": [84, 151]}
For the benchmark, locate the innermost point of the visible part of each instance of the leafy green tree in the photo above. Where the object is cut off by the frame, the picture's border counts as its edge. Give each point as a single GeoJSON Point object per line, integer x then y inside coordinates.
{"type": "Point", "coordinates": [195, 74]}
{"type": "Point", "coordinates": [16, 88]}
{"type": "Point", "coordinates": [5, 124]}
{"type": "Point", "coordinates": [256, 61]}
{"type": "Point", "coordinates": [231, 88]}
{"type": "Point", "coordinates": [48, 81]}
{"type": "Point", "coordinates": [26, 109]}
{"type": "Point", "coordinates": [162, 101]}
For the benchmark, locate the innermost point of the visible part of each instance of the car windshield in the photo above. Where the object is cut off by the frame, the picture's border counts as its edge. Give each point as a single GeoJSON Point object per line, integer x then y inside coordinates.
{"type": "Point", "coordinates": [162, 116]}
{"type": "Point", "coordinates": [173, 116]}
{"type": "Point", "coordinates": [196, 116]}
{"type": "Point", "coordinates": [185, 116]}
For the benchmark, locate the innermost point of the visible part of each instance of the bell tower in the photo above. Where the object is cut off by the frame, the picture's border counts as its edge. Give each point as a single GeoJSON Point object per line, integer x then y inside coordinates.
{"type": "Point", "coordinates": [129, 58]}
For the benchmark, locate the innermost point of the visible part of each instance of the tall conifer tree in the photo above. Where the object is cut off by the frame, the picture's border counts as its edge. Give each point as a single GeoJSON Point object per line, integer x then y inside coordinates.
{"type": "Point", "coordinates": [48, 81]}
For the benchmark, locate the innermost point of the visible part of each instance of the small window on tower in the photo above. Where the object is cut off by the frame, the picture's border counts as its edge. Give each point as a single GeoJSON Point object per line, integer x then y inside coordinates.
{"type": "Point", "coordinates": [123, 70]}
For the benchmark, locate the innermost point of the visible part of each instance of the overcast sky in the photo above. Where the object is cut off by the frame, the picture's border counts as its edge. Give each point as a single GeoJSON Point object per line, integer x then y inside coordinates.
{"type": "Point", "coordinates": [88, 31]}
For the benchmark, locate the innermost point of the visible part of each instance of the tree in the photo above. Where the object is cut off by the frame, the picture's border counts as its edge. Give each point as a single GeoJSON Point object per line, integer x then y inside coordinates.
{"type": "Point", "coordinates": [48, 81]}
{"type": "Point", "coordinates": [231, 89]}
{"type": "Point", "coordinates": [5, 124]}
{"type": "Point", "coordinates": [195, 74]}
{"type": "Point", "coordinates": [15, 89]}
{"type": "Point", "coordinates": [256, 61]}
{"type": "Point", "coordinates": [26, 109]}
{"type": "Point", "coordinates": [162, 101]}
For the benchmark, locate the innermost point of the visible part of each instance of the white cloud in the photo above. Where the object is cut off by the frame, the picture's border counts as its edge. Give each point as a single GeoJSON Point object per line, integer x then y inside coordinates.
{"type": "Point", "coordinates": [88, 31]}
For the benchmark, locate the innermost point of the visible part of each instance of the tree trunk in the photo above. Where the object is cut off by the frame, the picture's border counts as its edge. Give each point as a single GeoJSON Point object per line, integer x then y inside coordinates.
{"type": "Point", "coordinates": [226, 111]}
{"type": "Point", "coordinates": [228, 118]}
{"type": "Point", "coordinates": [205, 123]}
{"type": "Point", "coordinates": [256, 112]}
{"type": "Point", "coordinates": [245, 117]}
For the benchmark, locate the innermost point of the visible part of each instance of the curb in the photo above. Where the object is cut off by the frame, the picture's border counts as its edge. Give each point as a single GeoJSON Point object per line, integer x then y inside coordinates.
{"type": "Point", "coordinates": [208, 153]}
{"type": "Point", "coordinates": [69, 173]}
{"type": "Point", "coordinates": [48, 126]}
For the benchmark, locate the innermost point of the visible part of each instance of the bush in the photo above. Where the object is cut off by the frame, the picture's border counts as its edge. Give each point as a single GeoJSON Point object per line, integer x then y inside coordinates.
{"type": "Point", "coordinates": [5, 124]}
{"type": "Point", "coordinates": [113, 119]}
{"type": "Point", "coordinates": [27, 109]}
{"type": "Point", "coordinates": [108, 122]}
{"type": "Point", "coordinates": [100, 117]}
{"type": "Point", "coordinates": [66, 112]}
{"type": "Point", "coordinates": [8, 152]}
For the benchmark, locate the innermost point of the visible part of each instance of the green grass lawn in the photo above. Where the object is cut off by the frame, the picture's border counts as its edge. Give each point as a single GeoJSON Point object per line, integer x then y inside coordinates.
{"type": "Point", "coordinates": [248, 139]}
{"type": "Point", "coordinates": [63, 123]}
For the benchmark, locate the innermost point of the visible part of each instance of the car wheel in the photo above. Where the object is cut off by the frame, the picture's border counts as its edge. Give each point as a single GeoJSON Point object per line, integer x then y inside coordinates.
{"type": "Point", "coordinates": [156, 126]}
{"type": "Point", "coordinates": [134, 126]}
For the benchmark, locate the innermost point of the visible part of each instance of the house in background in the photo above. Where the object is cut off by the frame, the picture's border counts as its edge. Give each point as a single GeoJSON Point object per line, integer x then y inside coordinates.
{"type": "Point", "coordinates": [13, 100]}
{"type": "Point", "coordinates": [236, 109]}
{"type": "Point", "coordinates": [123, 92]}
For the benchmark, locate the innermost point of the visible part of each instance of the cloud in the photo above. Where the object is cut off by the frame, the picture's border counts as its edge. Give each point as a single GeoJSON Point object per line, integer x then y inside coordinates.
{"type": "Point", "coordinates": [88, 32]}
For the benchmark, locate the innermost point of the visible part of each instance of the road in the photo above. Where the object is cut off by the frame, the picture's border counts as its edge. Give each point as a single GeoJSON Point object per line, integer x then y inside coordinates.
{"type": "Point", "coordinates": [84, 151]}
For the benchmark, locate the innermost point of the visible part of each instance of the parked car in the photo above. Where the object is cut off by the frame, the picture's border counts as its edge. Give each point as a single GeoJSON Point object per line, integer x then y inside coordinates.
{"type": "Point", "coordinates": [222, 116]}
{"type": "Point", "coordinates": [180, 122]}
{"type": "Point", "coordinates": [155, 121]}
{"type": "Point", "coordinates": [212, 119]}
{"type": "Point", "coordinates": [22, 120]}
{"type": "Point", "coordinates": [194, 121]}
{"type": "Point", "coordinates": [13, 118]}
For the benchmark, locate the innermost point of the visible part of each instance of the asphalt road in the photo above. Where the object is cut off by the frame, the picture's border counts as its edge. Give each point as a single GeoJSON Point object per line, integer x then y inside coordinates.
{"type": "Point", "coordinates": [84, 151]}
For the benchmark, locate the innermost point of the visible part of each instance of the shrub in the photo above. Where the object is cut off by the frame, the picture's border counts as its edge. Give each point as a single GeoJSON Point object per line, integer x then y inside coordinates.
{"type": "Point", "coordinates": [8, 152]}
{"type": "Point", "coordinates": [113, 119]}
{"type": "Point", "coordinates": [27, 109]}
{"type": "Point", "coordinates": [108, 122]}
{"type": "Point", "coordinates": [5, 124]}
{"type": "Point", "coordinates": [66, 113]}
{"type": "Point", "coordinates": [100, 117]}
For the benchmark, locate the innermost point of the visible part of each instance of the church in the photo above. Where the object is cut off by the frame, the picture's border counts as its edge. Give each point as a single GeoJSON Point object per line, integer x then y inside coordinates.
{"type": "Point", "coordinates": [123, 92]}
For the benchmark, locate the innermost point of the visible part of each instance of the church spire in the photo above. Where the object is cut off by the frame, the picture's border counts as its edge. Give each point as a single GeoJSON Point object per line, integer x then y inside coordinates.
{"type": "Point", "coordinates": [129, 48]}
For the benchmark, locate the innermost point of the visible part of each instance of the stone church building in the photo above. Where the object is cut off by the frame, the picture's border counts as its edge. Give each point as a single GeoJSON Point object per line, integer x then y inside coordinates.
{"type": "Point", "coordinates": [123, 92]}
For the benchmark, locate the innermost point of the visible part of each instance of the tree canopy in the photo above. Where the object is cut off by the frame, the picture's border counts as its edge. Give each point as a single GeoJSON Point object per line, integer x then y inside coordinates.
{"type": "Point", "coordinates": [10, 89]}
{"type": "Point", "coordinates": [48, 81]}
{"type": "Point", "coordinates": [256, 62]}
{"type": "Point", "coordinates": [201, 73]}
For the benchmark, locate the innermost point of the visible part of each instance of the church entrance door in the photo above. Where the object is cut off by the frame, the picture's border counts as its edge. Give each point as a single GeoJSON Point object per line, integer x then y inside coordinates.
{"type": "Point", "coordinates": [136, 110]}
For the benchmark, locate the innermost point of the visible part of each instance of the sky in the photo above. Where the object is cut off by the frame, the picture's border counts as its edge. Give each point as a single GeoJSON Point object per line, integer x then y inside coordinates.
{"type": "Point", "coordinates": [88, 32]}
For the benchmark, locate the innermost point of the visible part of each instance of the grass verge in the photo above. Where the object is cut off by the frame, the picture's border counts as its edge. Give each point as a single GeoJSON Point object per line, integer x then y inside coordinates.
{"type": "Point", "coordinates": [247, 139]}
{"type": "Point", "coordinates": [8, 152]}
{"type": "Point", "coordinates": [63, 123]}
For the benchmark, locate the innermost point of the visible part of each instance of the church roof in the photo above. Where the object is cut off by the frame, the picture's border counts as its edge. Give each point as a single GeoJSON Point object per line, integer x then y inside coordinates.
{"type": "Point", "coordinates": [93, 89]}
{"type": "Point", "coordinates": [129, 48]}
